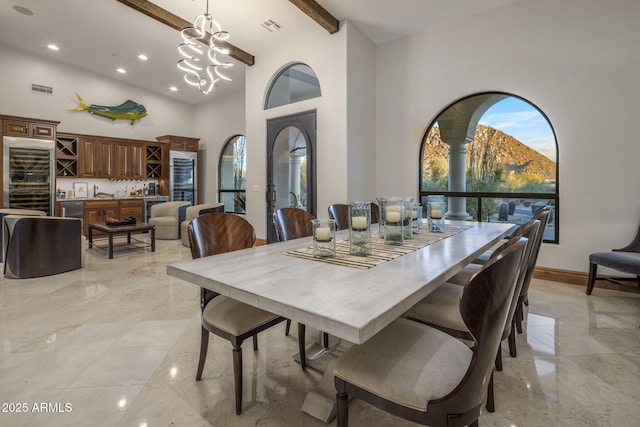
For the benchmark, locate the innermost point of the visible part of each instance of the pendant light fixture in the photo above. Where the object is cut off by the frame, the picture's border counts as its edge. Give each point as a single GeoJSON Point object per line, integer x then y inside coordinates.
{"type": "Point", "coordinates": [201, 65]}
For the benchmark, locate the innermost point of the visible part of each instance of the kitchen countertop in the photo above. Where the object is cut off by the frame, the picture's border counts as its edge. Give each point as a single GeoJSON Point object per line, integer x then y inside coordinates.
{"type": "Point", "coordinates": [83, 199]}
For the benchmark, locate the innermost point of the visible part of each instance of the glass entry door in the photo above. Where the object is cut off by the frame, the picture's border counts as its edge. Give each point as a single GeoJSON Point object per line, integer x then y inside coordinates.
{"type": "Point", "coordinates": [290, 165]}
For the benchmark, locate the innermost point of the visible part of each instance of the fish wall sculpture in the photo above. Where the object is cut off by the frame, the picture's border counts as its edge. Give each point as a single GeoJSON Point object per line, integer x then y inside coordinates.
{"type": "Point", "coordinates": [128, 110]}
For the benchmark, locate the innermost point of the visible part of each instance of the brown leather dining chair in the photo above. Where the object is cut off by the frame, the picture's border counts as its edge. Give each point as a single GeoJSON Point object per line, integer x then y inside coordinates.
{"type": "Point", "coordinates": [340, 213]}
{"type": "Point", "coordinates": [295, 223]}
{"type": "Point", "coordinates": [438, 309]}
{"type": "Point", "coordinates": [217, 233]}
{"type": "Point", "coordinates": [544, 216]}
{"type": "Point", "coordinates": [424, 375]}
{"type": "Point", "coordinates": [375, 213]}
{"type": "Point", "coordinates": [529, 230]}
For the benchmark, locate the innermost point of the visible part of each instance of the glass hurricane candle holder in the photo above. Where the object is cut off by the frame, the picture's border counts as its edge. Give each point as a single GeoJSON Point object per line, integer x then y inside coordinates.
{"type": "Point", "coordinates": [416, 217]}
{"type": "Point", "coordinates": [324, 238]}
{"type": "Point", "coordinates": [407, 222]}
{"type": "Point", "coordinates": [393, 222]}
{"type": "Point", "coordinates": [435, 213]}
{"type": "Point", "coordinates": [381, 204]}
{"type": "Point", "coordinates": [360, 228]}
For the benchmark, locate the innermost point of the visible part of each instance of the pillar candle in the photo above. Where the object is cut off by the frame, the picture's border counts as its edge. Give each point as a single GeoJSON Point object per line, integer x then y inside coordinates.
{"type": "Point", "coordinates": [323, 234]}
{"type": "Point", "coordinates": [359, 222]}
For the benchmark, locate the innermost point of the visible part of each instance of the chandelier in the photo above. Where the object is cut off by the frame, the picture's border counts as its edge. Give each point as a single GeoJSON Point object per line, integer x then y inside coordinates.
{"type": "Point", "coordinates": [201, 67]}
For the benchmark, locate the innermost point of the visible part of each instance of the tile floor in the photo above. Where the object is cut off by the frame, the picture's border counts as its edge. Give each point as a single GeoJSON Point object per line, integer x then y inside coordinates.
{"type": "Point", "coordinates": [116, 344]}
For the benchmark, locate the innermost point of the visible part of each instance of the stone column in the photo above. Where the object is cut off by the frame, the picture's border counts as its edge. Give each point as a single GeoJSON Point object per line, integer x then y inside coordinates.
{"type": "Point", "coordinates": [457, 206]}
{"type": "Point", "coordinates": [294, 174]}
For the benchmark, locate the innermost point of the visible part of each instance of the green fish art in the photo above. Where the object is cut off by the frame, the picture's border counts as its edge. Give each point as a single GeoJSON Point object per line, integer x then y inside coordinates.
{"type": "Point", "coordinates": [128, 110]}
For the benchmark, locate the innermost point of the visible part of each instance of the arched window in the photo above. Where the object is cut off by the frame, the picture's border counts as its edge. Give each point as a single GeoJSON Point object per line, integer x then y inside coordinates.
{"type": "Point", "coordinates": [294, 83]}
{"type": "Point", "coordinates": [232, 178]}
{"type": "Point", "coordinates": [495, 158]}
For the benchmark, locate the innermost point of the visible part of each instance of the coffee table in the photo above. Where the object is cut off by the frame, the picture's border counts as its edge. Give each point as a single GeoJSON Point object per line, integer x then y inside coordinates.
{"type": "Point", "coordinates": [112, 230]}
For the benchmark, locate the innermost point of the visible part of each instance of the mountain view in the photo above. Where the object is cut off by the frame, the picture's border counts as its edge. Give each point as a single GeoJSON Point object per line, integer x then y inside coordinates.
{"type": "Point", "coordinates": [515, 157]}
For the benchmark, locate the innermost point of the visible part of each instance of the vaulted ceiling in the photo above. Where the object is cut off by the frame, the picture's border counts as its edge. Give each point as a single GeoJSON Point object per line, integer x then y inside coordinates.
{"type": "Point", "coordinates": [100, 36]}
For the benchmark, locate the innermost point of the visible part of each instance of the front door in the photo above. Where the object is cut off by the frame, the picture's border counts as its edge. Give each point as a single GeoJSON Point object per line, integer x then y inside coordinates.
{"type": "Point", "coordinates": [291, 160]}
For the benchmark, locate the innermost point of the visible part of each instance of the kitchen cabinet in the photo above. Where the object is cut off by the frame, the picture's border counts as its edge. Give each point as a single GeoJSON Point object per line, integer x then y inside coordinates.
{"type": "Point", "coordinates": [99, 211]}
{"type": "Point", "coordinates": [29, 128]}
{"type": "Point", "coordinates": [133, 208]}
{"type": "Point", "coordinates": [156, 163]}
{"type": "Point", "coordinates": [67, 150]}
{"type": "Point", "coordinates": [97, 157]}
{"type": "Point", "coordinates": [130, 160]}
{"type": "Point", "coordinates": [180, 143]}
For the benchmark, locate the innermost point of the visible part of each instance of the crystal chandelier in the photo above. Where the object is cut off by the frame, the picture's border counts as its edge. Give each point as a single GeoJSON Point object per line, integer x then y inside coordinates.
{"type": "Point", "coordinates": [201, 67]}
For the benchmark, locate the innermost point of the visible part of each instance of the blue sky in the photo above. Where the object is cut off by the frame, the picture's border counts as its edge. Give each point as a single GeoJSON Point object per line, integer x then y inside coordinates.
{"type": "Point", "coordinates": [522, 121]}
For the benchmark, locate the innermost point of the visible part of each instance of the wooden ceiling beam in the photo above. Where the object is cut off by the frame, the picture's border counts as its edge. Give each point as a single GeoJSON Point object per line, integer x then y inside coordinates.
{"type": "Point", "coordinates": [162, 15]}
{"type": "Point", "coordinates": [318, 14]}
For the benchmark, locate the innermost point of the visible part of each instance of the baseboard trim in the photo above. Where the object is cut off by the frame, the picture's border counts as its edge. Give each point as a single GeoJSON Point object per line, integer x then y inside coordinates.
{"type": "Point", "coordinates": [260, 242]}
{"type": "Point", "coordinates": [578, 278]}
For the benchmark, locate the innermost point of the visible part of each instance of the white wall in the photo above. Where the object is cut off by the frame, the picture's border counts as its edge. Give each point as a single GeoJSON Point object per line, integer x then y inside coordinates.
{"type": "Point", "coordinates": [326, 55]}
{"type": "Point", "coordinates": [215, 123]}
{"type": "Point", "coordinates": [577, 60]}
{"type": "Point", "coordinates": [19, 69]}
{"type": "Point", "coordinates": [361, 116]}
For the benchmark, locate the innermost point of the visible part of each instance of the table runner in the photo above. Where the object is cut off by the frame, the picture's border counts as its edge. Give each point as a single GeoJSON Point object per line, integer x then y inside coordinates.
{"type": "Point", "coordinates": [380, 253]}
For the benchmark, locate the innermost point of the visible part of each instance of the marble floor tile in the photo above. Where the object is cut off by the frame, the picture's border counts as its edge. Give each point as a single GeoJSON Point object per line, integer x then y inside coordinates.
{"type": "Point", "coordinates": [118, 340]}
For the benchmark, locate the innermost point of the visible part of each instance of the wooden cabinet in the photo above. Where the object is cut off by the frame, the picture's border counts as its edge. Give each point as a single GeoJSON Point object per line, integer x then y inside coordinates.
{"type": "Point", "coordinates": [99, 211]}
{"type": "Point", "coordinates": [97, 157]}
{"type": "Point", "coordinates": [67, 150]}
{"type": "Point", "coordinates": [29, 128]}
{"type": "Point", "coordinates": [132, 207]}
{"type": "Point", "coordinates": [130, 160]}
{"type": "Point", "coordinates": [156, 163]}
{"type": "Point", "coordinates": [180, 143]}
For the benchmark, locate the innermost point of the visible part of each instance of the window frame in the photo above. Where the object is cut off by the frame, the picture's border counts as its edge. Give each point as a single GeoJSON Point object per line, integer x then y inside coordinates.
{"type": "Point", "coordinates": [555, 196]}
{"type": "Point", "coordinates": [221, 190]}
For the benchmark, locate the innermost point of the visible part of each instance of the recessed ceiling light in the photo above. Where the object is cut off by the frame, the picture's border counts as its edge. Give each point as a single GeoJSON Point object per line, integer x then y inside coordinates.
{"type": "Point", "coordinates": [23, 10]}
{"type": "Point", "coordinates": [173, 89]}
{"type": "Point", "coordinates": [143, 57]}
{"type": "Point", "coordinates": [121, 70]}
{"type": "Point", "coordinates": [53, 47]}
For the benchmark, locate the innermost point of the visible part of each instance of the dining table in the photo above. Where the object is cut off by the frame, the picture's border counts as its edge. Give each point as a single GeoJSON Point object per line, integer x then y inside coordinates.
{"type": "Point", "coordinates": [347, 297]}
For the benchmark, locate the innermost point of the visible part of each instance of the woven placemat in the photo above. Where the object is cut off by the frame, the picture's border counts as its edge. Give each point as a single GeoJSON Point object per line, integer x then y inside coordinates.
{"type": "Point", "coordinates": [380, 253]}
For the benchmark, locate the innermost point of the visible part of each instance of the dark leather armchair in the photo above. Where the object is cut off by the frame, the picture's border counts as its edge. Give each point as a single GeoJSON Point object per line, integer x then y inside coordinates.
{"type": "Point", "coordinates": [37, 246]}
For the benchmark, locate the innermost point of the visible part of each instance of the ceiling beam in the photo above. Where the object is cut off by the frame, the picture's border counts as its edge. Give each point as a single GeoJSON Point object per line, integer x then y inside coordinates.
{"type": "Point", "coordinates": [162, 15]}
{"type": "Point", "coordinates": [318, 14]}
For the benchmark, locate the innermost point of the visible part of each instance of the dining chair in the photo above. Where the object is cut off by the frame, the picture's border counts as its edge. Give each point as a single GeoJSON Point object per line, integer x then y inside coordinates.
{"type": "Point", "coordinates": [375, 213]}
{"type": "Point", "coordinates": [217, 233]}
{"type": "Point", "coordinates": [295, 223]}
{"type": "Point", "coordinates": [424, 375]}
{"type": "Point", "coordinates": [292, 223]}
{"type": "Point", "coordinates": [340, 213]}
{"type": "Point", "coordinates": [544, 216]}
{"type": "Point", "coordinates": [438, 309]}
{"type": "Point", "coordinates": [528, 230]}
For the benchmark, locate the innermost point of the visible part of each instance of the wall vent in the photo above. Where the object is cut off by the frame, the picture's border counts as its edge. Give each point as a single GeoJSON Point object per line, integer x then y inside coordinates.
{"type": "Point", "coordinates": [271, 25]}
{"type": "Point", "coordinates": [45, 90]}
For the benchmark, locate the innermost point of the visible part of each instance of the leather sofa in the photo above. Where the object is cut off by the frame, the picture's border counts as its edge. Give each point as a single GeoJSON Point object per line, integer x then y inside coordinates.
{"type": "Point", "coordinates": [37, 246]}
